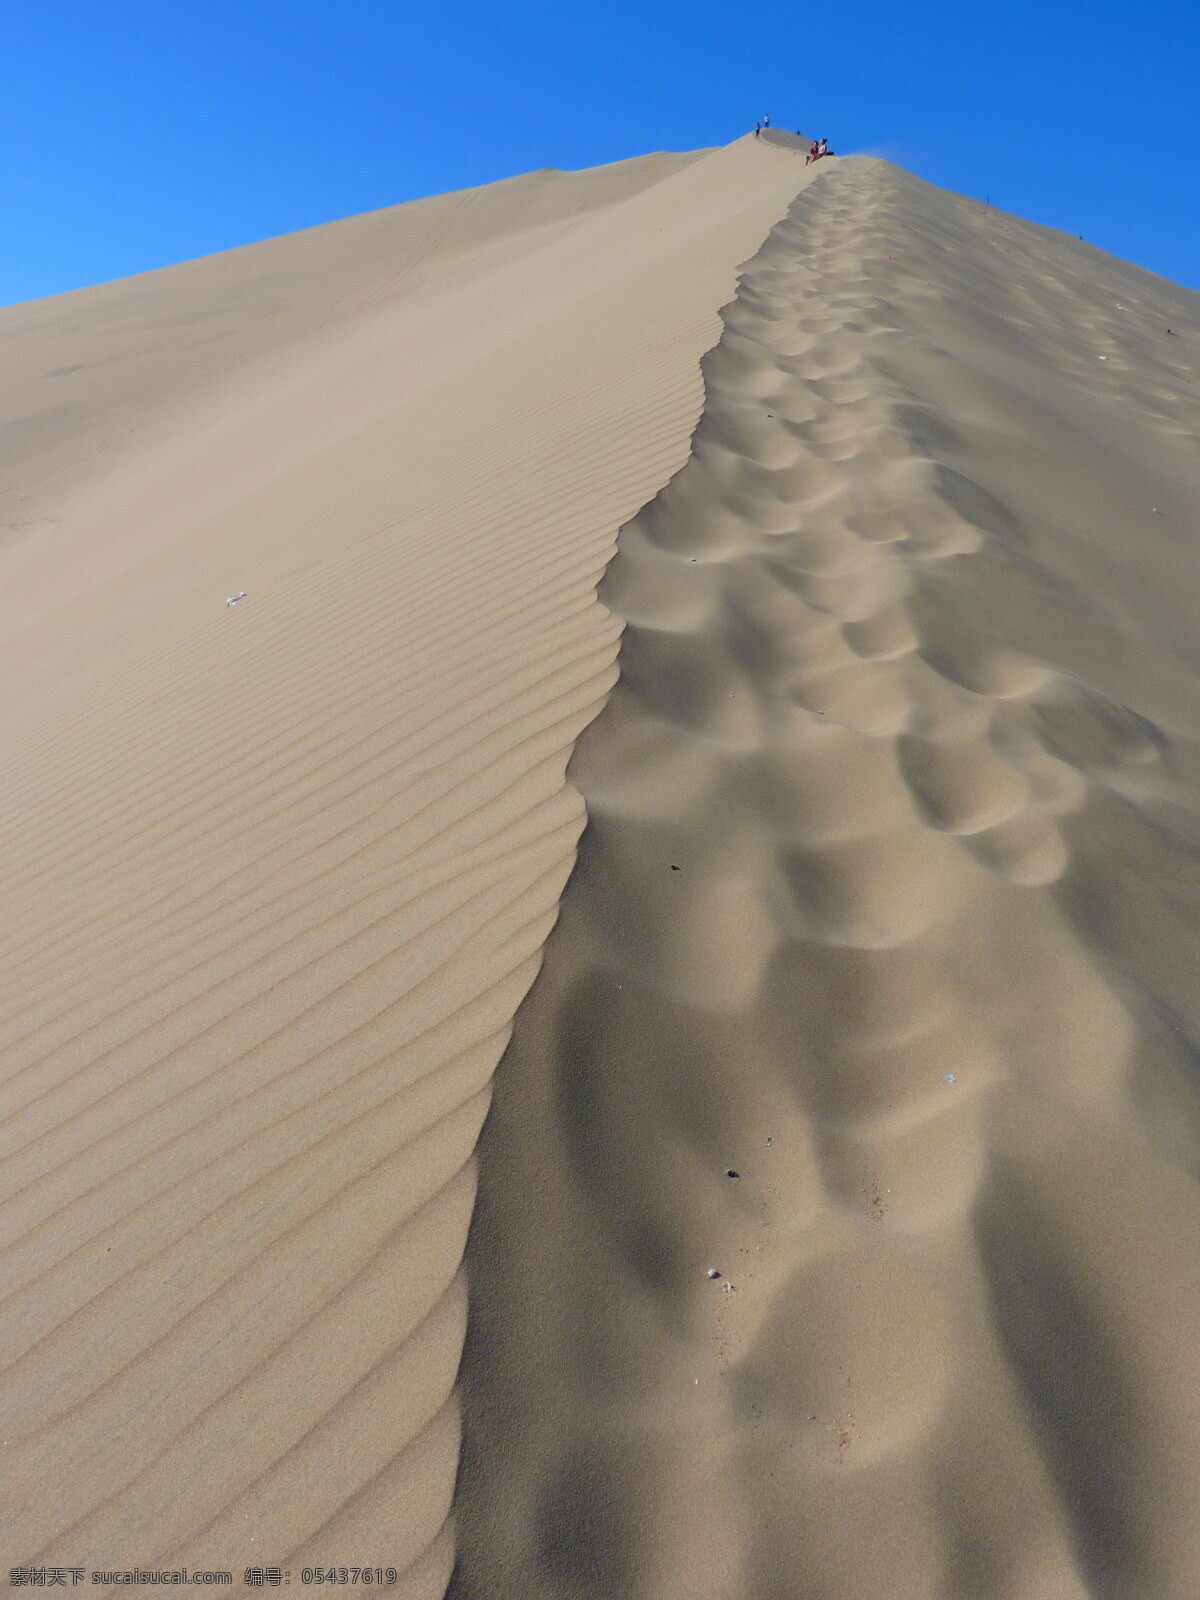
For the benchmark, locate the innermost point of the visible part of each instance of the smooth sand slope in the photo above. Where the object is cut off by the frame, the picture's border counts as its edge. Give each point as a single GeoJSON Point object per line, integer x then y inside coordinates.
{"type": "Point", "coordinates": [838, 1229]}
{"type": "Point", "coordinates": [277, 875]}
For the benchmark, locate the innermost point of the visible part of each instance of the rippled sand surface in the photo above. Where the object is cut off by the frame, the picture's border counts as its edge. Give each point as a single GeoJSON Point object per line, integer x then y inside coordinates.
{"type": "Point", "coordinates": [276, 874]}
{"type": "Point", "coordinates": [823, 1221]}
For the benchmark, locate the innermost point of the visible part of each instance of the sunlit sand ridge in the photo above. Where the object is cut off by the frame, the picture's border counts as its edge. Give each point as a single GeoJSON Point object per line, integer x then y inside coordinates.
{"type": "Point", "coordinates": [836, 1221]}
{"type": "Point", "coordinates": [277, 872]}
{"type": "Point", "coordinates": [838, 1224]}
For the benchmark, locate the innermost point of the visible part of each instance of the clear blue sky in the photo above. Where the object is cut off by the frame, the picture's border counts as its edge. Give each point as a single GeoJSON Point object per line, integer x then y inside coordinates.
{"type": "Point", "coordinates": [134, 135]}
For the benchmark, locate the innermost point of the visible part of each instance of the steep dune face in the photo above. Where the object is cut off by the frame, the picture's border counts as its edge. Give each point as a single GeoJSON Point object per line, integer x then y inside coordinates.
{"type": "Point", "coordinates": [277, 873]}
{"type": "Point", "coordinates": [89, 373]}
{"type": "Point", "coordinates": [838, 1215]}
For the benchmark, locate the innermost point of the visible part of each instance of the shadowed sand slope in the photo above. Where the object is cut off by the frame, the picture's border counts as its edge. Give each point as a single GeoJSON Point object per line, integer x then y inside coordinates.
{"type": "Point", "coordinates": [277, 873]}
{"type": "Point", "coordinates": [838, 1224]}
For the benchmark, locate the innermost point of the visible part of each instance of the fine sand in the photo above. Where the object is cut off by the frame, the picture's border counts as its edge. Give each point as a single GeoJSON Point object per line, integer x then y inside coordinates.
{"type": "Point", "coordinates": [276, 875]}
{"type": "Point", "coordinates": [837, 1225]}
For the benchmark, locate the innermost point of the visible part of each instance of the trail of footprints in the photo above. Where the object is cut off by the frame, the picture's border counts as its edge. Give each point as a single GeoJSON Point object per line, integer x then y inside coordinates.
{"type": "Point", "coordinates": [824, 983]}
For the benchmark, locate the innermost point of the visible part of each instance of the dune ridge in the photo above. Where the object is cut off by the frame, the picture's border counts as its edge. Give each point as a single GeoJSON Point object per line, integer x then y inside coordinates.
{"type": "Point", "coordinates": [301, 629]}
{"type": "Point", "coordinates": [837, 1220]}
{"type": "Point", "coordinates": [218, 314]}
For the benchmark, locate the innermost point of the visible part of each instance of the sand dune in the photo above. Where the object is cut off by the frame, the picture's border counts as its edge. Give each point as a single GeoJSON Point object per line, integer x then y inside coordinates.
{"type": "Point", "coordinates": [277, 873]}
{"type": "Point", "coordinates": [836, 1221]}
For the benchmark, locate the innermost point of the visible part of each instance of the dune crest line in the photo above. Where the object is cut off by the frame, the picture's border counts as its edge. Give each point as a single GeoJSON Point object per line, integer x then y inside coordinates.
{"type": "Point", "coordinates": [838, 1214]}
{"type": "Point", "coordinates": [276, 875]}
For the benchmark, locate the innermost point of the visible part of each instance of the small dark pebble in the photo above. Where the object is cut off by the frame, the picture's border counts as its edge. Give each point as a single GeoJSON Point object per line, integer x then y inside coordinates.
{"type": "Point", "coordinates": [674, 868]}
{"type": "Point", "coordinates": [732, 1174]}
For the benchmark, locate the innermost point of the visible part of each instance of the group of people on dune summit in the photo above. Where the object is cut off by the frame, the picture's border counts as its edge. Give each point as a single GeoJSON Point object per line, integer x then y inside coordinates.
{"type": "Point", "coordinates": [820, 147]}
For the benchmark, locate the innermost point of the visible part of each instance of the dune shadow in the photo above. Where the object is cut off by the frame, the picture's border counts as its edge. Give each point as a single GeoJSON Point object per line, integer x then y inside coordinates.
{"type": "Point", "coordinates": [631, 1107]}
{"type": "Point", "coordinates": [592, 1526]}
{"type": "Point", "coordinates": [1079, 1391]}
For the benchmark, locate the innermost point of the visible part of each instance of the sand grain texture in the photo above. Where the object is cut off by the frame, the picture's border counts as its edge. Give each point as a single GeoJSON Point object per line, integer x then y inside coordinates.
{"type": "Point", "coordinates": [833, 1226]}
{"type": "Point", "coordinates": [838, 1218]}
{"type": "Point", "coordinates": [277, 873]}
